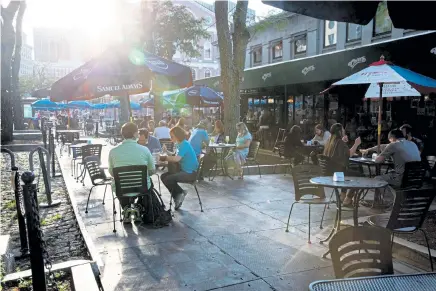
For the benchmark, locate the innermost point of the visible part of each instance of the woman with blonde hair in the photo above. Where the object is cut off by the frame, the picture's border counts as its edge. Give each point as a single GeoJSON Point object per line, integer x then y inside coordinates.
{"type": "Point", "coordinates": [239, 154]}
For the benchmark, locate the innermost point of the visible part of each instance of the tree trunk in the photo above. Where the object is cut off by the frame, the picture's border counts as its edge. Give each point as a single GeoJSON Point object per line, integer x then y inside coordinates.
{"type": "Point", "coordinates": [7, 48]}
{"type": "Point", "coordinates": [232, 59]}
{"type": "Point", "coordinates": [16, 62]}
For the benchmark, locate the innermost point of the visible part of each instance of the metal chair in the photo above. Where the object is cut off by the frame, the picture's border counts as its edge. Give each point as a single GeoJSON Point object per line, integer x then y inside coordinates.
{"type": "Point", "coordinates": [131, 183]}
{"type": "Point", "coordinates": [195, 182]}
{"type": "Point", "coordinates": [306, 192]}
{"type": "Point", "coordinates": [281, 134]}
{"type": "Point", "coordinates": [281, 152]}
{"type": "Point", "coordinates": [413, 176]}
{"type": "Point", "coordinates": [88, 151]}
{"type": "Point", "coordinates": [67, 139]}
{"type": "Point", "coordinates": [168, 144]}
{"type": "Point", "coordinates": [408, 214]}
{"type": "Point", "coordinates": [361, 251]}
{"type": "Point", "coordinates": [97, 176]}
{"type": "Point", "coordinates": [252, 156]}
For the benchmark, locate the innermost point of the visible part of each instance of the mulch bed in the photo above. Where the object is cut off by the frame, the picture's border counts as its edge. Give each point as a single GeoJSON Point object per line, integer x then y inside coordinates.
{"type": "Point", "coordinates": [430, 228]}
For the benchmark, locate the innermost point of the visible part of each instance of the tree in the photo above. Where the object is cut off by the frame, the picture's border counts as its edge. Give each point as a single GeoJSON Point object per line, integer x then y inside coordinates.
{"type": "Point", "coordinates": [38, 80]}
{"type": "Point", "coordinates": [232, 41]}
{"type": "Point", "coordinates": [7, 49]}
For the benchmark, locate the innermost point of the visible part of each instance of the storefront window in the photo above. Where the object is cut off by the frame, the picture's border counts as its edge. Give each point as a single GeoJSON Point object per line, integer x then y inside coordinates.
{"type": "Point", "coordinates": [354, 32]}
{"type": "Point", "coordinates": [299, 110]}
{"type": "Point", "coordinates": [330, 33]}
{"type": "Point", "coordinates": [382, 21]}
{"type": "Point", "coordinates": [300, 45]}
{"type": "Point", "coordinates": [277, 50]}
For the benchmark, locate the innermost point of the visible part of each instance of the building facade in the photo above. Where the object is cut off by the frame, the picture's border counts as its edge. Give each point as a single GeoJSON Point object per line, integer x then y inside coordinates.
{"type": "Point", "coordinates": [26, 65]}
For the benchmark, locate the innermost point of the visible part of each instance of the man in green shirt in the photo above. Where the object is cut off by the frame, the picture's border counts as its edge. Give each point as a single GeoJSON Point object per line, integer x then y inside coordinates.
{"type": "Point", "coordinates": [130, 153]}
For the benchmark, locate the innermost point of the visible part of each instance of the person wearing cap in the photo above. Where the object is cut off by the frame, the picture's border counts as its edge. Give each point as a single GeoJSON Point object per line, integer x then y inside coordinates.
{"type": "Point", "coordinates": [199, 137]}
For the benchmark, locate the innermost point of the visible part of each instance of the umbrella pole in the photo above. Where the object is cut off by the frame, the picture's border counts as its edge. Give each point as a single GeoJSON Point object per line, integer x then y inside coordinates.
{"type": "Point", "coordinates": [380, 105]}
{"type": "Point", "coordinates": [130, 107]}
{"type": "Point", "coordinates": [68, 113]}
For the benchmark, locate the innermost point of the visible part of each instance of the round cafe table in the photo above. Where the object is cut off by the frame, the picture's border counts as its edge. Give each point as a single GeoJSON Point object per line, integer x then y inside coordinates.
{"type": "Point", "coordinates": [225, 148]}
{"type": "Point", "coordinates": [360, 184]}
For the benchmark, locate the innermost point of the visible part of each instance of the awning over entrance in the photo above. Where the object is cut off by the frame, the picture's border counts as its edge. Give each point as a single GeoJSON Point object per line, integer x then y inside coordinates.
{"type": "Point", "coordinates": [417, 53]}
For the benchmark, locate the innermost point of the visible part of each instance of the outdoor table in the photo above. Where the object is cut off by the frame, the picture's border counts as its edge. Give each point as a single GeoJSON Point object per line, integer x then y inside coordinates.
{"type": "Point", "coordinates": [361, 184]}
{"type": "Point", "coordinates": [405, 282]}
{"type": "Point", "coordinates": [310, 148]}
{"type": "Point", "coordinates": [76, 132]}
{"type": "Point", "coordinates": [224, 150]}
{"type": "Point", "coordinates": [79, 145]}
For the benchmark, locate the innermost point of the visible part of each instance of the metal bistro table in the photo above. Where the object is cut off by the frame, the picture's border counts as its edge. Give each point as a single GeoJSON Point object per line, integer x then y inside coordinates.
{"type": "Point", "coordinates": [224, 149]}
{"type": "Point", "coordinates": [408, 282]}
{"type": "Point", "coordinates": [378, 200]}
{"type": "Point", "coordinates": [361, 184]}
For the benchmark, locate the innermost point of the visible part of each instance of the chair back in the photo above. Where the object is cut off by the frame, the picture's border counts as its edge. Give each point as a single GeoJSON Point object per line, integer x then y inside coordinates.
{"type": "Point", "coordinates": [326, 165]}
{"type": "Point", "coordinates": [281, 134]}
{"type": "Point", "coordinates": [281, 150]}
{"type": "Point", "coordinates": [413, 176]}
{"type": "Point", "coordinates": [253, 150]}
{"type": "Point", "coordinates": [130, 180]}
{"type": "Point", "coordinates": [301, 175]}
{"type": "Point", "coordinates": [410, 208]}
{"type": "Point", "coordinates": [67, 137]}
{"type": "Point", "coordinates": [431, 161]}
{"type": "Point", "coordinates": [91, 150]}
{"type": "Point", "coordinates": [361, 251]}
{"type": "Point", "coordinates": [92, 165]}
{"type": "Point", "coordinates": [200, 167]}
{"type": "Point", "coordinates": [168, 144]}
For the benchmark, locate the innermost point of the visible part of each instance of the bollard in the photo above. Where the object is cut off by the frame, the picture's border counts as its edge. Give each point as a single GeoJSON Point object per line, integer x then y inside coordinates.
{"type": "Point", "coordinates": [34, 232]}
{"type": "Point", "coordinates": [51, 148]}
{"type": "Point", "coordinates": [44, 137]}
{"type": "Point", "coordinates": [19, 204]}
{"type": "Point", "coordinates": [96, 129]}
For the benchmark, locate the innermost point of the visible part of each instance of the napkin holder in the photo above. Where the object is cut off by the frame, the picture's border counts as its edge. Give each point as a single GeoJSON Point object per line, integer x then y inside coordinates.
{"type": "Point", "coordinates": [338, 177]}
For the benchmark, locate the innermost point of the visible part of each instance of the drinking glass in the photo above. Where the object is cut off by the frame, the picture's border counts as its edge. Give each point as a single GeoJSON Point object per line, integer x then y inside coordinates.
{"type": "Point", "coordinates": [227, 139]}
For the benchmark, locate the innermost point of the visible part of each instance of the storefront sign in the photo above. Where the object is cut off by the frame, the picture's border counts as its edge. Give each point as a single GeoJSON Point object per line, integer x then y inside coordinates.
{"type": "Point", "coordinates": [266, 76]}
{"type": "Point", "coordinates": [115, 88]}
{"type": "Point", "coordinates": [308, 69]}
{"type": "Point", "coordinates": [357, 61]}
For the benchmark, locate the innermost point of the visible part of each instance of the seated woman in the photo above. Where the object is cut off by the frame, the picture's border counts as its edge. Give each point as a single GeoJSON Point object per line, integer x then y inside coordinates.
{"type": "Point", "coordinates": [336, 148]}
{"type": "Point", "coordinates": [294, 148]}
{"type": "Point", "coordinates": [218, 132]}
{"type": "Point", "coordinates": [186, 157]}
{"type": "Point", "coordinates": [321, 135]}
{"type": "Point", "coordinates": [238, 155]}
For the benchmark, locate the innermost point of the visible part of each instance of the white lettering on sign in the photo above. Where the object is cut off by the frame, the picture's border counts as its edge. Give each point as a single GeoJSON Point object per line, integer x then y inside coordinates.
{"type": "Point", "coordinates": [266, 76]}
{"type": "Point", "coordinates": [374, 74]}
{"type": "Point", "coordinates": [192, 93]}
{"type": "Point", "coordinates": [433, 50]}
{"type": "Point", "coordinates": [157, 63]}
{"type": "Point", "coordinates": [114, 88]}
{"type": "Point", "coordinates": [308, 69]}
{"type": "Point", "coordinates": [357, 61]}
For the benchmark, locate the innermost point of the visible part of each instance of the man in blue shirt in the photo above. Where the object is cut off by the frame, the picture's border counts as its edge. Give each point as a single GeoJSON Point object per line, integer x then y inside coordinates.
{"type": "Point", "coordinates": [186, 157]}
{"type": "Point", "coordinates": [198, 137]}
{"type": "Point", "coordinates": [149, 141]}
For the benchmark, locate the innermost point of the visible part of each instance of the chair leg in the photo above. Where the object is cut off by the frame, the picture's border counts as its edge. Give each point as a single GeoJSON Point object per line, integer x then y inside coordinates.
{"type": "Point", "coordinates": [104, 195]}
{"type": "Point", "coordinates": [309, 225]}
{"type": "Point", "coordinates": [289, 217]}
{"type": "Point", "coordinates": [258, 167]}
{"type": "Point", "coordinates": [322, 218]}
{"type": "Point", "coordinates": [114, 213]}
{"type": "Point", "coordinates": [199, 199]}
{"type": "Point", "coordinates": [428, 248]}
{"type": "Point", "coordinates": [89, 195]}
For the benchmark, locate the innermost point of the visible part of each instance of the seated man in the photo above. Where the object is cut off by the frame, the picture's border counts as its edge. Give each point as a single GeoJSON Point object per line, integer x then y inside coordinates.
{"type": "Point", "coordinates": [401, 151]}
{"type": "Point", "coordinates": [149, 141]}
{"type": "Point", "coordinates": [187, 158]}
{"type": "Point", "coordinates": [162, 131]}
{"type": "Point", "coordinates": [407, 132]}
{"type": "Point", "coordinates": [130, 153]}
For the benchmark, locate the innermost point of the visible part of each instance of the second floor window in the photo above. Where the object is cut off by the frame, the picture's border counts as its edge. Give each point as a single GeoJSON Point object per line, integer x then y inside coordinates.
{"type": "Point", "coordinates": [382, 21]}
{"type": "Point", "coordinates": [257, 55]}
{"type": "Point", "coordinates": [207, 74]}
{"type": "Point", "coordinates": [330, 33]}
{"type": "Point", "coordinates": [300, 45]}
{"type": "Point", "coordinates": [354, 32]}
{"type": "Point", "coordinates": [277, 50]}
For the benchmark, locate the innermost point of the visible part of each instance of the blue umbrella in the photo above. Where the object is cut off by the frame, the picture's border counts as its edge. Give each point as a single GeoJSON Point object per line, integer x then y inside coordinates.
{"type": "Point", "coordinates": [197, 96]}
{"type": "Point", "coordinates": [78, 104]}
{"type": "Point", "coordinates": [116, 104]}
{"type": "Point", "coordinates": [45, 103]}
{"type": "Point", "coordinates": [99, 106]}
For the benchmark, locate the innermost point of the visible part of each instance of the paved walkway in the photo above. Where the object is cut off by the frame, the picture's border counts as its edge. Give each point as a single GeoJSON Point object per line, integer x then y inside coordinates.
{"type": "Point", "coordinates": [238, 243]}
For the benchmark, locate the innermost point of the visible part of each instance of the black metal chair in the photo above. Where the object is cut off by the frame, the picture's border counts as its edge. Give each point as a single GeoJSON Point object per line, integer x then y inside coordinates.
{"type": "Point", "coordinates": [89, 150]}
{"type": "Point", "coordinates": [281, 152]}
{"type": "Point", "coordinates": [327, 170]}
{"type": "Point", "coordinates": [408, 214]}
{"type": "Point", "coordinates": [413, 176]}
{"type": "Point", "coordinates": [77, 155]}
{"type": "Point", "coordinates": [281, 134]}
{"type": "Point", "coordinates": [195, 182]}
{"type": "Point", "coordinates": [97, 176]}
{"type": "Point", "coordinates": [361, 251]}
{"type": "Point", "coordinates": [252, 156]}
{"type": "Point", "coordinates": [306, 192]}
{"type": "Point", "coordinates": [131, 183]}
{"type": "Point", "coordinates": [67, 139]}
{"type": "Point", "coordinates": [168, 144]}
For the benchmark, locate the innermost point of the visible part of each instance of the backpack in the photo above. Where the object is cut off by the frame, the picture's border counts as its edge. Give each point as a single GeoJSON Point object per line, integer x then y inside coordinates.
{"type": "Point", "coordinates": [155, 213]}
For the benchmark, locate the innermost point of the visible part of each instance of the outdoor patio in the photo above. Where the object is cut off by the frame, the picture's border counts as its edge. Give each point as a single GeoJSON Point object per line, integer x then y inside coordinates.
{"type": "Point", "coordinates": [238, 243]}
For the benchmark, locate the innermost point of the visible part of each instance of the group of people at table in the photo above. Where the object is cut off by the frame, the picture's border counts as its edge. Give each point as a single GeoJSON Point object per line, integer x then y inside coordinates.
{"type": "Point", "coordinates": [139, 144]}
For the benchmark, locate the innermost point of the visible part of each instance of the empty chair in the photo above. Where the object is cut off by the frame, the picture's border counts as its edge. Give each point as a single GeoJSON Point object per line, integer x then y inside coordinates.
{"type": "Point", "coordinates": [252, 156]}
{"type": "Point", "coordinates": [77, 155]}
{"type": "Point", "coordinates": [408, 214]}
{"type": "Point", "coordinates": [413, 176]}
{"type": "Point", "coordinates": [67, 139]}
{"type": "Point", "coordinates": [97, 176]}
{"type": "Point", "coordinates": [89, 150]}
{"type": "Point", "coordinates": [361, 251]}
{"type": "Point", "coordinates": [306, 192]}
{"type": "Point", "coordinates": [281, 134]}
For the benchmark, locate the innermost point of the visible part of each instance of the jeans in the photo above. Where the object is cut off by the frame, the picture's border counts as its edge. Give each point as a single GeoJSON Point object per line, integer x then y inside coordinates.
{"type": "Point", "coordinates": [170, 181]}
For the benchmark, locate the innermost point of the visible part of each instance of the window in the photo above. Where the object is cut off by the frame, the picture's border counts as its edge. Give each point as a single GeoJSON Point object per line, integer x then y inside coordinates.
{"type": "Point", "coordinates": [382, 21]}
{"type": "Point", "coordinates": [207, 50]}
{"type": "Point", "coordinates": [257, 55]}
{"type": "Point", "coordinates": [207, 73]}
{"type": "Point", "coordinates": [300, 45]}
{"type": "Point", "coordinates": [194, 74]}
{"type": "Point", "coordinates": [330, 33]}
{"type": "Point", "coordinates": [354, 32]}
{"type": "Point", "coordinates": [277, 50]}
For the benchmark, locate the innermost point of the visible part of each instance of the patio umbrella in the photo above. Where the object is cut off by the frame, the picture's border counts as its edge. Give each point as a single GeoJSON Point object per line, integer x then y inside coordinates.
{"type": "Point", "coordinates": [78, 104]}
{"type": "Point", "coordinates": [99, 106]}
{"type": "Point", "coordinates": [382, 73]}
{"type": "Point", "coordinates": [402, 89]}
{"type": "Point", "coordinates": [404, 14]}
{"type": "Point", "coordinates": [45, 103]}
{"type": "Point", "coordinates": [149, 102]}
{"type": "Point", "coordinates": [197, 96]}
{"type": "Point", "coordinates": [116, 104]}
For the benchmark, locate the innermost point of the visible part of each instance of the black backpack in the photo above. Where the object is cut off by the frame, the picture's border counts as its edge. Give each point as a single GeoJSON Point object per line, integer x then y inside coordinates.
{"type": "Point", "coordinates": [155, 213]}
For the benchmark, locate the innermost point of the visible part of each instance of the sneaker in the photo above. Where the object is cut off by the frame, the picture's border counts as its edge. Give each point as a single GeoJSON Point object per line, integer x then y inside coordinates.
{"type": "Point", "coordinates": [127, 215]}
{"type": "Point", "coordinates": [179, 199]}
